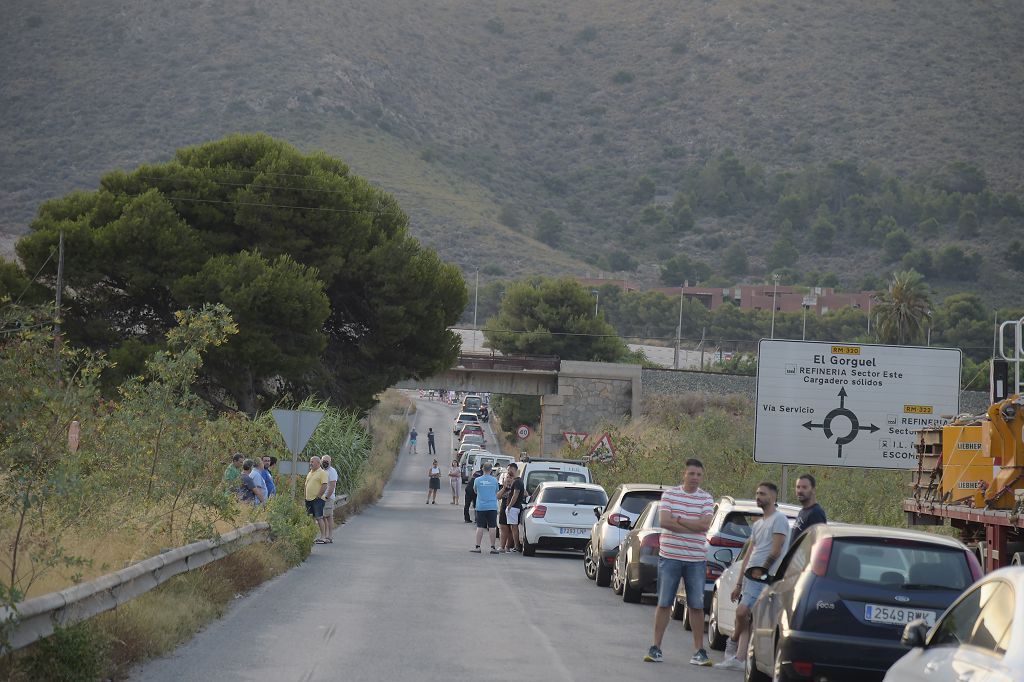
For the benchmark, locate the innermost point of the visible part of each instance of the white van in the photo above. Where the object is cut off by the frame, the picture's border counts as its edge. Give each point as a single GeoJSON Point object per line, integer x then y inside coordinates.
{"type": "Point", "coordinates": [536, 471]}
{"type": "Point", "coordinates": [474, 459]}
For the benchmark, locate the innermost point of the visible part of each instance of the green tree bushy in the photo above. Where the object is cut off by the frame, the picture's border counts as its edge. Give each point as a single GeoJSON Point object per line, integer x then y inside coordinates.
{"type": "Point", "coordinates": [300, 226]}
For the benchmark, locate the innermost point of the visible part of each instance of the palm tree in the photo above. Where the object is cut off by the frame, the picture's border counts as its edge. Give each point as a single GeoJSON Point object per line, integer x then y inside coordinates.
{"type": "Point", "coordinates": [903, 310]}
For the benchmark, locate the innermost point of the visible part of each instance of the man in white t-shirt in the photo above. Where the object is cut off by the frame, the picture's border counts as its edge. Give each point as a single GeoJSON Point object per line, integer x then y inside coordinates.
{"type": "Point", "coordinates": [685, 516]}
{"type": "Point", "coordinates": [769, 540]}
{"type": "Point", "coordinates": [332, 484]}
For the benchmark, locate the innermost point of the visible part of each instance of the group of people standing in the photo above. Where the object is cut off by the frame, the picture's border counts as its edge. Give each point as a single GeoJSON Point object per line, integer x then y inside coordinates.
{"type": "Point", "coordinates": [321, 484]}
{"type": "Point", "coordinates": [251, 478]}
{"type": "Point", "coordinates": [497, 505]}
{"type": "Point", "coordinates": [685, 515]}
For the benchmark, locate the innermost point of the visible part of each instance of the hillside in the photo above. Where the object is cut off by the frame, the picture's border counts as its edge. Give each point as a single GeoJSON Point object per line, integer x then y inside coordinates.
{"type": "Point", "coordinates": [471, 111]}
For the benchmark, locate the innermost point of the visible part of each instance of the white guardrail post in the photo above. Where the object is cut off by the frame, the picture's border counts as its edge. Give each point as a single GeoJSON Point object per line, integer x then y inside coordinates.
{"type": "Point", "coordinates": [37, 618]}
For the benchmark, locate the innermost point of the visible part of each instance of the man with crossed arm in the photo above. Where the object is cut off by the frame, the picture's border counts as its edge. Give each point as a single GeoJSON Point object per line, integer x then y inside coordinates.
{"type": "Point", "coordinates": [685, 516]}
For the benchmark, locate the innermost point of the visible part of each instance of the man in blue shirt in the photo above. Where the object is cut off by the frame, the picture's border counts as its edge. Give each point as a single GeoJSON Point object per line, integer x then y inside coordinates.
{"type": "Point", "coordinates": [486, 488]}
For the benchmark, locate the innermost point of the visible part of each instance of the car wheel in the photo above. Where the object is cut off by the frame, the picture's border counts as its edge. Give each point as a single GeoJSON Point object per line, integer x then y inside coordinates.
{"type": "Point", "coordinates": [679, 611]}
{"type": "Point", "coordinates": [630, 595]}
{"type": "Point", "coordinates": [750, 671]}
{"type": "Point", "coordinates": [778, 674]}
{"type": "Point", "coordinates": [529, 549]}
{"type": "Point", "coordinates": [589, 567]}
{"type": "Point", "coordinates": [617, 579]}
{"type": "Point", "coordinates": [716, 640]}
{"type": "Point", "coordinates": [603, 574]}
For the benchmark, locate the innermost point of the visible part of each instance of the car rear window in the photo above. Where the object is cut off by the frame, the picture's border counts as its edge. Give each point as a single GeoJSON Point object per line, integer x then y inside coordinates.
{"type": "Point", "coordinates": [535, 478]}
{"type": "Point", "coordinates": [904, 565]}
{"type": "Point", "coordinates": [739, 524]}
{"type": "Point", "coordinates": [586, 496]}
{"type": "Point", "coordinates": [634, 502]}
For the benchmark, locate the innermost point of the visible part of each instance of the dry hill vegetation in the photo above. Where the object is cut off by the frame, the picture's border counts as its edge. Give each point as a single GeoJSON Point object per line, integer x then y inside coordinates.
{"type": "Point", "coordinates": [482, 116]}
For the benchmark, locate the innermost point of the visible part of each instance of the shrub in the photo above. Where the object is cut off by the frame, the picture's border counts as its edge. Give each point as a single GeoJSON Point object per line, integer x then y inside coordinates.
{"type": "Point", "coordinates": [623, 77]}
{"type": "Point", "coordinates": [291, 531]}
{"type": "Point", "coordinates": [74, 654]}
{"type": "Point", "coordinates": [587, 34]}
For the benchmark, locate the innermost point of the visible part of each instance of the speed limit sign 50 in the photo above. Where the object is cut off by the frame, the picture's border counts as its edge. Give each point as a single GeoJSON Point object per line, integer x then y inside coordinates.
{"type": "Point", "coordinates": [523, 432]}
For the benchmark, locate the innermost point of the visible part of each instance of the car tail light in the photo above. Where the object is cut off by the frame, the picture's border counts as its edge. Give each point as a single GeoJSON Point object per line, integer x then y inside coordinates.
{"type": "Point", "coordinates": [539, 511]}
{"type": "Point", "coordinates": [819, 559]}
{"type": "Point", "coordinates": [616, 519]}
{"type": "Point", "coordinates": [712, 572]}
{"type": "Point", "coordinates": [803, 668]}
{"type": "Point", "coordinates": [651, 544]}
{"type": "Point", "coordinates": [972, 561]}
{"type": "Point", "coordinates": [718, 541]}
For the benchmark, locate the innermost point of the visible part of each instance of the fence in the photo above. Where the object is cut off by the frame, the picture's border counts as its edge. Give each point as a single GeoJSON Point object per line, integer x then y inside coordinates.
{"type": "Point", "coordinates": [36, 618]}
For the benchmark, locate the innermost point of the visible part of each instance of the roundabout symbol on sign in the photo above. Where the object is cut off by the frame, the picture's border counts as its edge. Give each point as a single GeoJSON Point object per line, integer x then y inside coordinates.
{"type": "Point", "coordinates": [523, 432]}
{"type": "Point", "coordinates": [841, 411]}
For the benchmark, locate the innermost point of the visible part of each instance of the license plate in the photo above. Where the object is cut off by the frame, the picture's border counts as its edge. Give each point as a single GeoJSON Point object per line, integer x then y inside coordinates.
{"type": "Point", "coordinates": [573, 531]}
{"type": "Point", "coordinates": [896, 615]}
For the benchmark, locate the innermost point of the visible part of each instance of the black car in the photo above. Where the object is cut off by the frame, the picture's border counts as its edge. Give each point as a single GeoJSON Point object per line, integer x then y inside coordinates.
{"type": "Point", "coordinates": [837, 607]}
{"type": "Point", "coordinates": [636, 566]}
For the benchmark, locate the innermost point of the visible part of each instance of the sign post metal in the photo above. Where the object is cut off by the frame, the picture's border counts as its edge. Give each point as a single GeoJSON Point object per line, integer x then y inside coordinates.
{"type": "Point", "coordinates": [296, 426]}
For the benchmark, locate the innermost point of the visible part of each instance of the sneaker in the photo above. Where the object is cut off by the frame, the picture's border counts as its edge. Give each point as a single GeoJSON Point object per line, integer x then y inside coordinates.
{"type": "Point", "coordinates": [654, 655]}
{"type": "Point", "coordinates": [731, 645]}
{"type": "Point", "coordinates": [494, 551]}
{"type": "Point", "coordinates": [730, 663]}
{"type": "Point", "coordinates": [475, 551]}
{"type": "Point", "coordinates": [700, 658]}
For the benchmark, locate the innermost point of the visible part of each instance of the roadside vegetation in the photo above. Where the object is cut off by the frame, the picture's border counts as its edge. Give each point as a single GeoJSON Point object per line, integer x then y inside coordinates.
{"type": "Point", "coordinates": [144, 474]}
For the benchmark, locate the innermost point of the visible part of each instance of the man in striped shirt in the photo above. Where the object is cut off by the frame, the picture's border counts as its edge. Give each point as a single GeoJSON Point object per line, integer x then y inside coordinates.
{"type": "Point", "coordinates": [685, 517]}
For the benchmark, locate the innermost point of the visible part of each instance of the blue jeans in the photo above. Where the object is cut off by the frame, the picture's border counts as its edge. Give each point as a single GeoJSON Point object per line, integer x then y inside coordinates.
{"type": "Point", "coordinates": [752, 589]}
{"type": "Point", "coordinates": [671, 571]}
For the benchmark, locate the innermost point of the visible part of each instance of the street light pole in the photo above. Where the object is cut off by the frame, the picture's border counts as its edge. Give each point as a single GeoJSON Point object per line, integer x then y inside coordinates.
{"type": "Point", "coordinates": [775, 291]}
{"type": "Point", "coordinates": [597, 301]}
{"type": "Point", "coordinates": [679, 331]}
{"type": "Point", "coordinates": [476, 302]}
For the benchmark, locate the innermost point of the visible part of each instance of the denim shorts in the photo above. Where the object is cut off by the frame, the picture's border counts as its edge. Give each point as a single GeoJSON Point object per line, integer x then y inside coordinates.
{"type": "Point", "coordinates": [752, 589]}
{"type": "Point", "coordinates": [671, 571]}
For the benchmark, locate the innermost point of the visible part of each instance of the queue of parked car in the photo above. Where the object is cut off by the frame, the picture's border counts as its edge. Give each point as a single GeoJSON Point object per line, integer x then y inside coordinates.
{"type": "Point", "coordinates": [849, 602]}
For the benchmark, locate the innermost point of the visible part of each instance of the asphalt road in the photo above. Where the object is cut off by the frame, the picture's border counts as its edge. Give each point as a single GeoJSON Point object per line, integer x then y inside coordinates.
{"type": "Point", "coordinates": [398, 596]}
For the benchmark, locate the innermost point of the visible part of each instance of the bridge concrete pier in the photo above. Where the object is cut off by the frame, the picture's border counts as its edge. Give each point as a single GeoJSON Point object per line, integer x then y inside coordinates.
{"type": "Point", "coordinates": [589, 394]}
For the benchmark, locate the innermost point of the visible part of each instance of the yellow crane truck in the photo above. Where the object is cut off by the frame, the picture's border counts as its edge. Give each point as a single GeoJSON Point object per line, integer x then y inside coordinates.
{"type": "Point", "coordinates": [971, 470]}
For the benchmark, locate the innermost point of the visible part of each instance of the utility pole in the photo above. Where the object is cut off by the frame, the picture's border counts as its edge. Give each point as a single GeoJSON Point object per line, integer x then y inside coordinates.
{"type": "Point", "coordinates": [57, 305]}
{"type": "Point", "coordinates": [775, 291]}
{"type": "Point", "coordinates": [597, 301]}
{"type": "Point", "coordinates": [700, 347]}
{"type": "Point", "coordinates": [679, 330]}
{"type": "Point", "coordinates": [476, 301]}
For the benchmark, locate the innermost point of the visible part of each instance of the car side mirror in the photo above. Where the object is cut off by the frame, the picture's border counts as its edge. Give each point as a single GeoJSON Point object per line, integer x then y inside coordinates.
{"type": "Point", "coordinates": [597, 512]}
{"type": "Point", "coordinates": [723, 556]}
{"type": "Point", "coordinates": [915, 633]}
{"type": "Point", "coordinates": [625, 524]}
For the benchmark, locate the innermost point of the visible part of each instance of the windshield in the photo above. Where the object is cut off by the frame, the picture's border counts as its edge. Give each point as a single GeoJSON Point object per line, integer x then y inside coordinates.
{"type": "Point", "coordinates": [634, 502]}
{"type": "Point", "coordinates": [900, 564]}
{"type": "Point", "coordinates": [535, 478]}
{"type": "Point", "coordinates": [586, 496]}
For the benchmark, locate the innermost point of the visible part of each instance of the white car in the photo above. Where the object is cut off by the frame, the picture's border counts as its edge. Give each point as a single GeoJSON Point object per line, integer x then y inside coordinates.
{"type": "Point", "coordinates": [463, 419]}
{"type": "Point", "coordinates": [722, 614]}
{"type": "Point", "coordinates": [472, 439]}
{"type": "Point", "coordinates": [980, 637]}
{"type": "Point", "coordinates": [557, 516]}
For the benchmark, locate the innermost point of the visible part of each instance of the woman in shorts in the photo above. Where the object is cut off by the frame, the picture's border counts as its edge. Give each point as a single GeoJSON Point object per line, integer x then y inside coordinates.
{"type": "Point", "coordinates": [434, 476]}
{"type": "Point", "coordinates": [455, 480]}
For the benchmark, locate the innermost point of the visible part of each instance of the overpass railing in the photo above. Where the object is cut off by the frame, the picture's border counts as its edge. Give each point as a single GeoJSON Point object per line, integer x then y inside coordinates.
{"type": "Point", "coordinates": [494, 361]}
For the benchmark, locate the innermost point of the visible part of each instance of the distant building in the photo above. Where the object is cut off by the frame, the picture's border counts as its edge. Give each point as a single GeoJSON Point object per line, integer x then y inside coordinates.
{"type": "Point", "coordinates": [594, 282]}
{"type": "Point", "coordinates": [788, 299]}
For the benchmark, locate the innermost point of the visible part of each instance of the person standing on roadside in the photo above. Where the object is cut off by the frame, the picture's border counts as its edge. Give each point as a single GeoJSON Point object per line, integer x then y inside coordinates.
{"type": "Point", "coordinates": [769, 540]}
{"type": "Point", "coordinates": [486, 487]}
{"type": "Point", "coordinates": [471, 495]}
{"type": "Point", "coordinates": [262, 494]}
{"type": "Point", "coordinates": [434, 482]}
{"type": "Point", "coordinates": [234, 470]}
{"type": "Point", "coordinates": [455, 480]}
{"type": "Point", "coordinates": [431, 448]}
{"type": "Point", "coordinates": [412, 440]}
{"type": "Point", "coordinates": [248, 489]}
{"type": "Point", "coordinates": [513, 508]}
{"type": "Point", "coordinates": [332, 486]}
{"type": "Point", "coordinates": [685, 517]}
{"type": "Point", "coordinates": [268, 462]}
{"type": "Point", "coordinates": [316, 491]}
{"type": "Point", "coordinates": [812, 512]}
